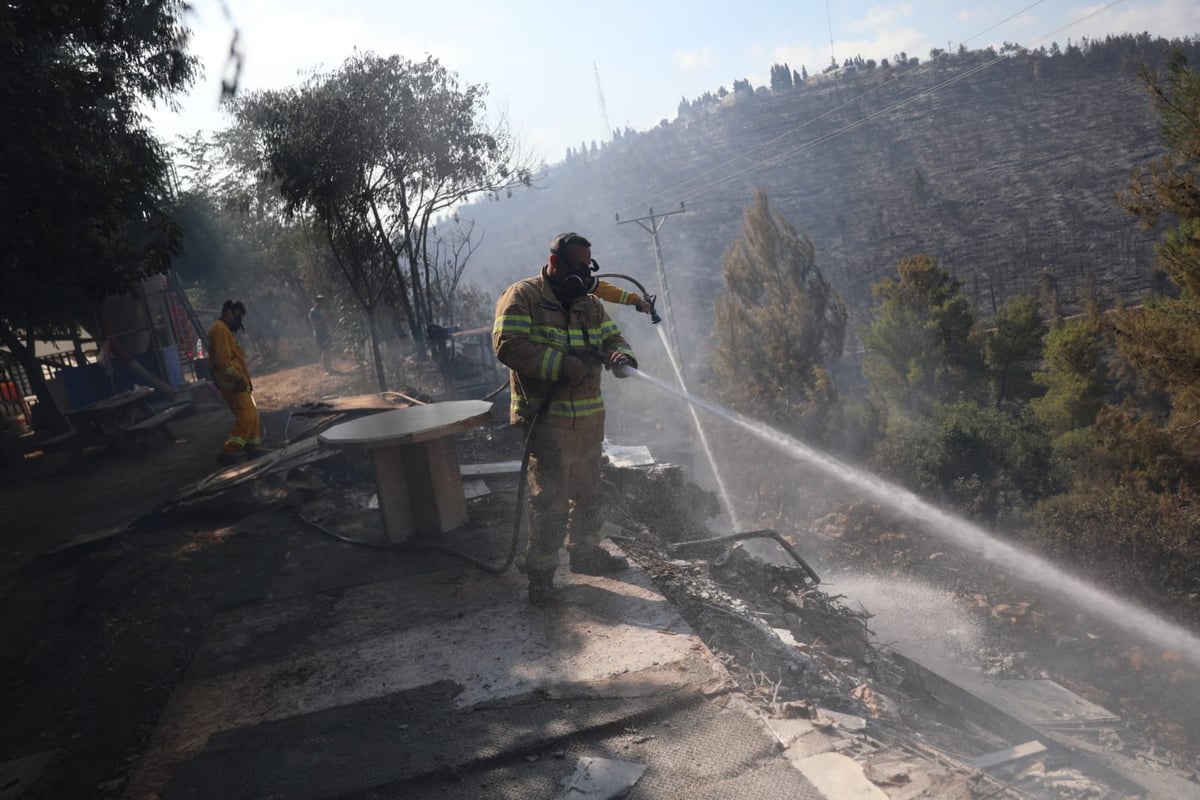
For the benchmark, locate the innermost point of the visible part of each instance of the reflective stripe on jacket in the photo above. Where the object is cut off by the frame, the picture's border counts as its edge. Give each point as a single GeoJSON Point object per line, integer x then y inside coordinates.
{"type": "Point", "coordinates": [531, 335]}
{"type": "Point", "coordinates": [615, 294]}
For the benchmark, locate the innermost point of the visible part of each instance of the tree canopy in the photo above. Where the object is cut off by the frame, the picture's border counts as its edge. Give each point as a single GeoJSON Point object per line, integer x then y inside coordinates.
{"type": "Point", "coordinates": [918, 346]}
{"type": "Point", "coordinates": [1163, 337]}
{"type": "Point", "coordinates": [779, 325]}
{"type": "Point", "coordinates": [86, 207]}
{"type": "Point", "coordinates": [374, 151]}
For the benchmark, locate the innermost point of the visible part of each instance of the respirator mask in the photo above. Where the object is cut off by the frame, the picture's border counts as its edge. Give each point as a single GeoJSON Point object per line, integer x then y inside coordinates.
{"type": "Point", "coordinates": [576, 280]}
{"type": "Point", "coordinates": [580, 280]}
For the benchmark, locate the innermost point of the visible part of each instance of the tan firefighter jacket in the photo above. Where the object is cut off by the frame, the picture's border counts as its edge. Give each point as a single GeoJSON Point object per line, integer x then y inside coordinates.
{"type": "Point", "coordinates": [531, 335]}
{"type": "Point", "coordinates": [226, 358]}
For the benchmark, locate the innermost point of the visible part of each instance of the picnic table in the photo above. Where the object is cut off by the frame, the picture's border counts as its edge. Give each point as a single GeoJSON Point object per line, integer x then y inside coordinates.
{"type": "Point", "coordinates": [415, 462]}
{"type": "Point", "coordinates": [122, 418]}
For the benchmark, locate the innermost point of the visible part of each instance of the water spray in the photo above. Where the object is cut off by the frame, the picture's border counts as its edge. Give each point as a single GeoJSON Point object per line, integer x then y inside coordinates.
{"type": "Point", "coordinates": [1122, 613]}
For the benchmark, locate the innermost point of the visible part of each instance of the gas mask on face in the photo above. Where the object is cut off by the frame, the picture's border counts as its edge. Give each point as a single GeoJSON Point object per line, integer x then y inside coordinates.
{"type": "Point", "coordinates": [580, 280]}
{"type": "Point", "coordinates": [572, 279]}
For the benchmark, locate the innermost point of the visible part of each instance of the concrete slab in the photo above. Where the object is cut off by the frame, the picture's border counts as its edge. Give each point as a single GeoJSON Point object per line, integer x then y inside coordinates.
{"type": "Point", "coordinates": [1042, 702]}
{"type": "Point", "coordinates": [609, 639]}
{"type": "Point", "coordinates": [628, 455]}
{"type": "Point", "coordinates": [1008, 754]}
{"type": "Point", "coordinates": [838, 777]}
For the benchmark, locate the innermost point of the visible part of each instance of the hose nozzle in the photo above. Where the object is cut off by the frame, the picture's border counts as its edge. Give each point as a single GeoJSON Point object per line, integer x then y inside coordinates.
{"type": "Point", "coordinates": [654, 317]}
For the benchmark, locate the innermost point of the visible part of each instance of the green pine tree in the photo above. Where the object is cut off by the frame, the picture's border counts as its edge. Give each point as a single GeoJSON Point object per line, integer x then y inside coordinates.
{"type": "Point", "coordinates": [919, 348]}
{"type": "Point", "coordinates": [779, 326]}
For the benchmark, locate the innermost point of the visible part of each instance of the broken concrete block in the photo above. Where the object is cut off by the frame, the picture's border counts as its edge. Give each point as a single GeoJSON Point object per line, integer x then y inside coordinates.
{"type": "Point", "coordinates": [600, 779]}
{"type": "Point", "coordinates": [836, 775]}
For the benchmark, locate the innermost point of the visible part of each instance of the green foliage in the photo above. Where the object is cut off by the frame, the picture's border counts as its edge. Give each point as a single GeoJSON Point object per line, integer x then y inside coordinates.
{"type": "Point", "coordinates": [918, 347]}
{"type": "Point", "coordinates": [1129, 516]}
{"type": "Point", "coordinates": [374, 151]}
{"type": "Point", "coordinates": [781, 77]}
{"type": "Point", "coordinates": [779, 326]}
{"type": "Point", "coordinates": [85, 211]}
{"type": "Point", "coordinates": [1162, 338]}
{"type": "Point", "coordinates": [1013, 349]}
{"type": "Point", "coordinates": [1073, 377]}
{"type": "Point", "coordinates": [979, 460]}
{"type": "Point", "coordinates": [1132, 537]}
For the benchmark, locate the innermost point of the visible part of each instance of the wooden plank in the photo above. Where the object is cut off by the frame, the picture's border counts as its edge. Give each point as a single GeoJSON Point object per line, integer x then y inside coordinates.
{"type": "Point", "coordinates": [360, 402]}
{"type": "Point", "coordinates": [1015, 753]}
{"type": "Point", "coordinates": [493, 468]}
{"type": "Point", "coordinates": [154, 421]}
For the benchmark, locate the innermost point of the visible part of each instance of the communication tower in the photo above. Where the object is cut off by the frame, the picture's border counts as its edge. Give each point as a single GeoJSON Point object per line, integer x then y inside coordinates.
{"type": "Point", "coordinates": [608, 131]}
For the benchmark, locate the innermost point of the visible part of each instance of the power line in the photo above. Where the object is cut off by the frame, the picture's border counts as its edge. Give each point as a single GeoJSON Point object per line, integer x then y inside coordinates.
{"type": "Point", "coordinates": [767, 162]}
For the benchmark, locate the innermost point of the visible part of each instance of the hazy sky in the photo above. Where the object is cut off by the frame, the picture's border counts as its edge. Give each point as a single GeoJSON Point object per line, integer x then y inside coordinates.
{"type": "Point", "coordinates": [540, 60]}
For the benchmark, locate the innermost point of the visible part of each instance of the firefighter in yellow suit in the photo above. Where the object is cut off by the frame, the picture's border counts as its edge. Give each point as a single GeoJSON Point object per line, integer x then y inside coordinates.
{"type": "Point", "coordinates": [554, 336]}
{"type": "Point", "coordinates": [229, 372]}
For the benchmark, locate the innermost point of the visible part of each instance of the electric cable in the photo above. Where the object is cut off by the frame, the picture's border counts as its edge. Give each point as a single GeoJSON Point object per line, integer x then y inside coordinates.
{"type": "Point", "coordinates": [768, 162]}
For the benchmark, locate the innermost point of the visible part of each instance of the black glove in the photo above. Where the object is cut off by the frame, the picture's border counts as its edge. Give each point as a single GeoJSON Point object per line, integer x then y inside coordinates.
{"type": "Point", "coordinates": [575, 370]}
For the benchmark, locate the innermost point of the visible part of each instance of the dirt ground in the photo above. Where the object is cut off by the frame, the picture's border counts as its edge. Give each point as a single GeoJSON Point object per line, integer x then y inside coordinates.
{"type": "Point", "coordinates": [105, 598]}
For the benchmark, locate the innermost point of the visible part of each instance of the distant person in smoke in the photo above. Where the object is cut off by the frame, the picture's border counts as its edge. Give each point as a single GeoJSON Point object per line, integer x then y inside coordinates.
{"type": "Point", "coordinates": [318, 317]}
{"type": "Point", "coordinates": [229, 372]}
{"type": "Point", "coordinates": [554, 336]}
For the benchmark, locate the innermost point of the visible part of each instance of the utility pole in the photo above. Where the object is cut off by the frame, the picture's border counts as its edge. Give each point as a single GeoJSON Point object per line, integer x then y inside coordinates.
{"type": "Point", "coordinates": [656, 222]}
{"type": "Point", "coordinates": [651, 225]}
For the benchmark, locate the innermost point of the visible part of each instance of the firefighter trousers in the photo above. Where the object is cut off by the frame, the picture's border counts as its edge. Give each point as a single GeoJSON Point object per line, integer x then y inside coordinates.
{"type": "Point", "coordinates": [247, 429]}
{"type": "Point", "coordinates": [565, 490]}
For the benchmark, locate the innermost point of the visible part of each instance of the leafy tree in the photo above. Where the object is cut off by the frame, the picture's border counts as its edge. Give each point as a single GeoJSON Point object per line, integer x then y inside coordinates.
{"type": "Point", "coordinates": [1073, 376]}
{"type": "Point", "coordinates": [1129, 516]}
{"type": "Point", "coordinates": [781, 77]}
{"type": "Point", "coordinates": [375, 150]}
{"type": "Point", "coordinates": [1013, 349]}
{"type": "Point", "coordinates": [918, 346]}
{"type": "Point", "coordinates": [86, 208]}
{"type": "Point", "coordinates": [982, 461]}
{"type": "Point", "coordinates": [1162, 338]}
{"type": "Point", "coordinates": [779, 326]}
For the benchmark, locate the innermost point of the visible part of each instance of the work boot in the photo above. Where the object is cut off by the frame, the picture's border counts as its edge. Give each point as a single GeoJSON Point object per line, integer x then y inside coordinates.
{"type": "Point", "coordinates": [541, 589]}
{"type": "Point", "coordinates": [227, 459]}
{"type": "Point", "coordinates": [592, 559]}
